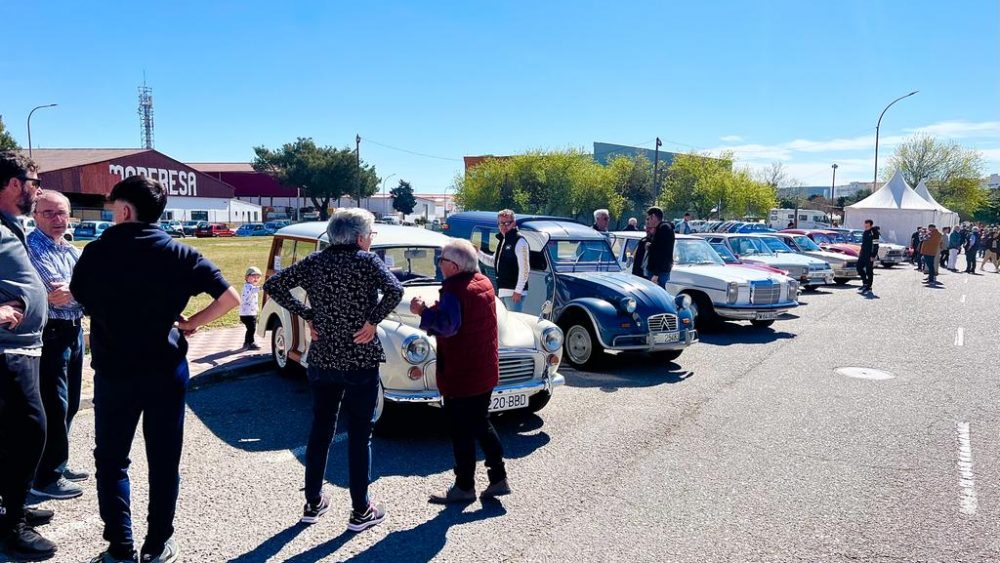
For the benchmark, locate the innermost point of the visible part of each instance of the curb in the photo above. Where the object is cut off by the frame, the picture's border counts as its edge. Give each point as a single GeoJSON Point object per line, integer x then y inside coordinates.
{"type": "Point", "coordinates": [243, 367]}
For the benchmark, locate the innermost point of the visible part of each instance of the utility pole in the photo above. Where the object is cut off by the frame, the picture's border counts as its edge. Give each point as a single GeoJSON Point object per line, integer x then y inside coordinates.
{"type": "Point", "coordinates": [29, 123]}
{"type": "Point", "coordinates": [357, 153]}
{"type": "Point", "coordinates": [656, 171]}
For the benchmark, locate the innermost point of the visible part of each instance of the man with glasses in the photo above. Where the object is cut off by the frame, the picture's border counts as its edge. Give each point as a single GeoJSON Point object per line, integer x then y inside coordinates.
{"type": "Point", "coordinates": [23, 312]}
{"type": "Point", "coordinates": [511, 263]}
{"type": "Point", "coordinates": [61, 368]}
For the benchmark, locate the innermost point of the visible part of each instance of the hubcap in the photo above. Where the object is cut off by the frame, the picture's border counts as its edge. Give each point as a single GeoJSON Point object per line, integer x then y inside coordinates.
{"type": "Point", "coordinates": [578, 344]}
{"type": "Point", "coordinates": [278, 346]}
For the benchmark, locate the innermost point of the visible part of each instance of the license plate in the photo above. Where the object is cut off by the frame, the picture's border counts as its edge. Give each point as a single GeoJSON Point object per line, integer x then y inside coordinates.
{"type": "Point", "coordinates": [508, 401]}
{"type": "Point", "coordinates": [666, 337]}
{"type": "Point", "coordinates": [767, 316]}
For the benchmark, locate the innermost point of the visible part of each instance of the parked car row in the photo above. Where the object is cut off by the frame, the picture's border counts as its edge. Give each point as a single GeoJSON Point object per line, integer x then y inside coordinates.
{"type": "Point", "coordinates": [699, 226]}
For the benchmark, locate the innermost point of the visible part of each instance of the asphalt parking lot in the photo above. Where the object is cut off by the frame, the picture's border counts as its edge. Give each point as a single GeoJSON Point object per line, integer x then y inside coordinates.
{"type": "Point", "coordinates": [751, 447]}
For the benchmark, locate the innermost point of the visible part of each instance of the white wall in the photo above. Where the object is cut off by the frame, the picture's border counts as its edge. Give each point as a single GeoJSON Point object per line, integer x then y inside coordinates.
{"type": "Point", "coordinates": [218, 209]}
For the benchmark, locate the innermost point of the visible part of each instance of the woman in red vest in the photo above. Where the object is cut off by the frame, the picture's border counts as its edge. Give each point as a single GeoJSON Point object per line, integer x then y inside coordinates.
{"type": "Point", "coordinates": [464, 320]}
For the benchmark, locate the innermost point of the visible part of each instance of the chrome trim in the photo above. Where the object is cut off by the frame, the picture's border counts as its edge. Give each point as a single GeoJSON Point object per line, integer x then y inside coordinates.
{"type": "Point", "coordinates": [433, 396]}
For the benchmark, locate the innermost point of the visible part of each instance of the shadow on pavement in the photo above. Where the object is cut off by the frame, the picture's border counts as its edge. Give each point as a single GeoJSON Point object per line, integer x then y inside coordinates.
{"type": "Point", "coordinates": [623, 371]}
{"type": "Point", "coordinates": [271, 547]}
{"type": "Point", "coordinates": [743, 334]}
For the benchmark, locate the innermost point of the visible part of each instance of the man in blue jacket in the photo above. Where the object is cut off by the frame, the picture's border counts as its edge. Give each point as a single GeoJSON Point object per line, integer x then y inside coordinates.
{"type": "Point", "coordinates": [135, 282]}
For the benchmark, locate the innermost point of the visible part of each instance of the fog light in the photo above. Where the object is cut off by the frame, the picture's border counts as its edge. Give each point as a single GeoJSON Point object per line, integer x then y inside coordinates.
{"type": "Point", "coordinates": [415, 373]}
{"type": "Point", "coordinates": [686, 321]}
{"type": "Point", "coordinates": [552, 360]}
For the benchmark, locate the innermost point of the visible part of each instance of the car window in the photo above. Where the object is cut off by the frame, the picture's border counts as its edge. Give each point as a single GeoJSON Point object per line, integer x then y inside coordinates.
{"type": "Point", "coordinates": [727, 256]}
{"type": "Point", "coordinates": [775, 245]}
{"type": "Point", "coordinates": [820, 238]}
{"type": "Point", "coordinates": [285, 254]}
{"type": "Point", "coordinates": [412, 265]}
{"type": "Point", "coordinates": [806, 243]}
{"type": "Point", "coordinates": [694, 252]}
{"type": "Point", "coordinates": [484, 238]}
{"type": "Point", "coordinates": [582, 255]}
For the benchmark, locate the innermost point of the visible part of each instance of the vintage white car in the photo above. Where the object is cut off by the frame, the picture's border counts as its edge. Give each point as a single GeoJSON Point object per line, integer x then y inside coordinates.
{"type": "Point", "coordinates": [717, 290]}
{"type": "Point", "coordinates": [530, 348]}
{"type": "Point", "coordinates": [810, 272]}
{"type": "Point", "coordinates": [845, 267]}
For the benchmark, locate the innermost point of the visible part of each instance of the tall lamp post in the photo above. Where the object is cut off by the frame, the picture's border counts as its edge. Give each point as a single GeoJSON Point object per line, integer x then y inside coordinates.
{"type": "Point", "coordinates": [357, 153]}
{"type": "Point", "coordinates": [29, 123]}
{"type": "Point", "coordinates": [833, 189]}
{"type": "Point", "coordinates": [384, 200]}
{"type": "Point", "coordinates": [877, 126]}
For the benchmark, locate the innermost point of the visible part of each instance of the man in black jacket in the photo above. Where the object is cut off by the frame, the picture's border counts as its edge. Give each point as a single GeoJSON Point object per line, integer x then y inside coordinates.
{"type": "Point", "coordinates": [866, 258]}
{"type": "Point", "coordinates": [661, 249]}
{"type": "Point", "coordinates": [135, 282]}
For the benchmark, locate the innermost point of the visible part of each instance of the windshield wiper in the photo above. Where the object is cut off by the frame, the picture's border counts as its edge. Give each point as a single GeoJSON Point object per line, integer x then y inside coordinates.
{"type": "Point", "coordinates": [420, 281]}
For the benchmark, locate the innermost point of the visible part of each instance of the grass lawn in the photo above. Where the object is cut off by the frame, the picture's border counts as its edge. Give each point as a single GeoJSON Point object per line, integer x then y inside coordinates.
{"type": "Point", "coordinates": [233, 256]}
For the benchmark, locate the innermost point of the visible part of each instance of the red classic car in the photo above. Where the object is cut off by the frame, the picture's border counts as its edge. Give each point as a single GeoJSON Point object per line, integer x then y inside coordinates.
{"type": "Point", "coordinates": [831, 241]}
{"type": "Point", "coordinates": [208, 230]}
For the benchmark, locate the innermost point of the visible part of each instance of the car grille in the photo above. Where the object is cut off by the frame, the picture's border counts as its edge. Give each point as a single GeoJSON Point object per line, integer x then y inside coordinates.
{"type": "Point", "coordinates": [765, 293]}
{"type": "Point", "coordinates": [662, 323]}
{"type": "Point", "coordinates": [514, 369]}
{"type": "Point", "coordinates": [818, 267]}
{"type": "Point", "coordinates": [851, 265]}
{"type": "Point", "coordinates": [895, 254]}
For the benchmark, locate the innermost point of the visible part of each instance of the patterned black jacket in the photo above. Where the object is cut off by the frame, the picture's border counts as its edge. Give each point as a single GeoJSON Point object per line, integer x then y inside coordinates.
{"type": "Point", "coordinates": [342, 283]}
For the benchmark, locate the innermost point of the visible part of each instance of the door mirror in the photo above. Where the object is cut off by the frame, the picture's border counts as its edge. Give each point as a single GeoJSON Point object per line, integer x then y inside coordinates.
{"type": "Point", "coordinates": [546, 310]}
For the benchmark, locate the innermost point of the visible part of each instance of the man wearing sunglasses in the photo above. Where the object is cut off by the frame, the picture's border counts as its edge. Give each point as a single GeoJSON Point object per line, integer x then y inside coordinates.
{"type": "Point", "coordinates": [511, 263]}
{"type": "Point", "coordinates": [23, 313]}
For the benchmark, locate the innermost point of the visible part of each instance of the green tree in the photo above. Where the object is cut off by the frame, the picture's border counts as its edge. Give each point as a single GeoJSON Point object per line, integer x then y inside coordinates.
{"type": "Point", "coordinates": [7, 142]}
{"type": "Point", "coordinates": [700, 183]}
{"type": "Point", "coordinates": [402, 198]}
{"type": "Point", "coordinates": [952, 172]}
{"type": "Point", "coordinates": [632, 179]}
{"type": "Point", "coordinates": [323, 173]}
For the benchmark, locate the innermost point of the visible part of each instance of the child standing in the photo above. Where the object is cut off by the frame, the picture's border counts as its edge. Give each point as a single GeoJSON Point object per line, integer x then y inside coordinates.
{"type": "Point", "coordinates": [248, 306]}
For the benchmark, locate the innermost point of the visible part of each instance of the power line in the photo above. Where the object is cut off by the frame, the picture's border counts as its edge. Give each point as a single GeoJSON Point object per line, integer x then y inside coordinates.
{"type": "Point", "coordinates": [366, 139]}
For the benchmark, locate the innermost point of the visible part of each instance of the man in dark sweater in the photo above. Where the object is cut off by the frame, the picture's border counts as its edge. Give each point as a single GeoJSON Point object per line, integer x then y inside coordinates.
{"type": "Point", "coordinates": [866, 258]}
{"type": "Point", "coordinates": [23, 313]}
{"type": "Point", "coordinates": [135, 282]}
{"type": "Point", "coordinates": [464, 321]}
{"type": "Point", "coordinates": [661, 250]}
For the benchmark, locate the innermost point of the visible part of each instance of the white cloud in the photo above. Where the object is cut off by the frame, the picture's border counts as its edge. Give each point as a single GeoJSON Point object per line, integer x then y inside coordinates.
{"type": "Point", "coordinates": [731, 139]}
{"type": "Point", "coordinates": [960, 129]}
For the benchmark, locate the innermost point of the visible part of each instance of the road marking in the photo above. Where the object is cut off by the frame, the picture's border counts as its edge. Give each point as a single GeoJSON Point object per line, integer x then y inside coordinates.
{"type": "Point", "coordinates": [865, 373]}
{"type": "Point", "coordinates": [299, 452]}
{"type": "Point", "coordinates": [960, 337]}
{"type": "Point", "coordinates": [962, 300]}
{"type": "Point", "coordinates": [966, 478]}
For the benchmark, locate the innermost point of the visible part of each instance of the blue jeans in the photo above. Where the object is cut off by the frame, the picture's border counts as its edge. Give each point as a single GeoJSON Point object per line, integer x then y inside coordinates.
{"type": "Point", "coordinates": [662, 278]}
{"type": "Point", "coordinates": [118, 403]}
{"type": "Point", "coordinates": [60, 376]}
{"type": "Point", "coordinates": [357, 391]}
{"type": "Point", "coordinates": [508, 302]}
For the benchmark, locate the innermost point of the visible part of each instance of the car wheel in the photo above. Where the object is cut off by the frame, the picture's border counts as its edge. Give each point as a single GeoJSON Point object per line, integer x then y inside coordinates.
{"type": "Point", "coordinates": [386, 420]}
{"type": "Point", "coordinates": [667, 355]}
{"type": "Point", "coordinates": [280, 341]}
{"type": "Point", "coordinates": [538, 401]}
{"type": "Point", "coordinates": [704, 313]}
{"type": "Point", "coordinates": [762, 323]}
{"type": "Point", "coordinates": [841, 281]}
{"type": "Point", "coordinates": [582, 349]}
{"type": "Point", "coordinates": [887, 265]}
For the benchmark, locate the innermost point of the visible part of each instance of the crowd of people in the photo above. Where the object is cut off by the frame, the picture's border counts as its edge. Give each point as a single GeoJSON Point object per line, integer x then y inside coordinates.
{"type": "Point", "coordinates": [932, 249]}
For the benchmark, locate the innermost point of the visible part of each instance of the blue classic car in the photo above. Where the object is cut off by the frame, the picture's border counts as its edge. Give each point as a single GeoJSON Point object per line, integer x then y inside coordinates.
{"type": "Point", "coordinates": [598, 305]}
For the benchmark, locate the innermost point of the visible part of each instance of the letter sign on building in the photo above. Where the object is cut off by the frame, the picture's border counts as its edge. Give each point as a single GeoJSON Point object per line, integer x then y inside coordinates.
{"type": "Point", "coordinates": [176, 182]}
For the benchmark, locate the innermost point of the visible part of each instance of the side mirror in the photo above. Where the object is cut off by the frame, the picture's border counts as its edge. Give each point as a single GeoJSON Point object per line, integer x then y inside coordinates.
{"type": "Point", "coordinates": [546, 310]}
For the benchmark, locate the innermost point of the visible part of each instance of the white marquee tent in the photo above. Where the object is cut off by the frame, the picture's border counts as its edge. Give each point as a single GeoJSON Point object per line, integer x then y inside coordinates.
{"type": "Point", "coordinates": [898, 210]}
{"type": "Point", "coordinates": [947, 218]}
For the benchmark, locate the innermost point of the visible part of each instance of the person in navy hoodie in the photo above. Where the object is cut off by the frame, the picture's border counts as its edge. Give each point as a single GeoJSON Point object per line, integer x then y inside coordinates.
{"type": "Point", "coordinates": [134, 282]}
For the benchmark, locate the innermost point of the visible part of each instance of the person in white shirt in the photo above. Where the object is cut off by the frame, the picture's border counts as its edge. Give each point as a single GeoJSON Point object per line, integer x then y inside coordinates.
{"type": "Point", "coordinates": [511, 263]}
{"type": "Point", "coordinates": [249, 298]}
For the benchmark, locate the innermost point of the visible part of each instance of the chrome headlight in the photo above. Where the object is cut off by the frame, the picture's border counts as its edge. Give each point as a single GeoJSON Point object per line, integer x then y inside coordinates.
{"type": "Point", "coordinates": [416, 349]}
{"type": "Point", "coordinates": [552, 339]}
{"type": "Point", "coordinates": [793, 289]}
{"type": "Point", "coordinates": [683, 301]}
{"type": "Point", "coordinates": [732, 292]}
{"type": "Point", "coordinates": [627, 304]}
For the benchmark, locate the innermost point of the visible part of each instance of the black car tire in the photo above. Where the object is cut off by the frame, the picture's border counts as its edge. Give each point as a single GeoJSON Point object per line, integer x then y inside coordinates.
{"type": "Point", "coordinates": [762, 324]}
{"type": "Point", "coordinates": [841, 281]}
{"type": "Point", "coordinates": [538, 401]}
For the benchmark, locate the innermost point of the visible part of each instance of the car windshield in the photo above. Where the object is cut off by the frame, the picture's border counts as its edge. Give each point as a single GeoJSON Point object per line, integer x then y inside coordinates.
{"type": "Point", "coordinates": [692, 252]}
{"type": "Point", "coordinates": [806, 243]}
{"type": "Point", "coordinates": [582, 256]}
{"type": "Point", "coordinates": [727, 256]}
{"type": "Point", "coordinates": [777, 246]}
{"type": "Point", "coordinates": [838, 237]}
{"type": "Point", "coordinates": [412, 265]}
{"type": "Point", "coordinates": [749, 246]}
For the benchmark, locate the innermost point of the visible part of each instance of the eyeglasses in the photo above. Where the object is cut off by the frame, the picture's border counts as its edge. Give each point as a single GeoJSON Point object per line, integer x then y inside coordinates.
{"type": "Point", "coordinates": [371, 234]}
{"type": "Point", "coordinates": [27, 180]}
{"type": "Point", "coordinates": [443, 259]}
{"type": "Point", "coordinates": [50, 214]}
{"type": "Point", "coordinates": [505, 223]}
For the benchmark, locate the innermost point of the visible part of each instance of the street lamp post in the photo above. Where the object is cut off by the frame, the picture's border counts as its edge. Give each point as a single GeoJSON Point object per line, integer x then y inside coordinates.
{"type": "Point", "coordinates": [384, 200]}
{"type": "Point", "coordinates": [877, 126]}
{"type": "Point", "coordinates": [29, 123]}
{"type": "Point", "coordinates": [357, 153]}
{"type": "Point", "coordinates": [833, 189]}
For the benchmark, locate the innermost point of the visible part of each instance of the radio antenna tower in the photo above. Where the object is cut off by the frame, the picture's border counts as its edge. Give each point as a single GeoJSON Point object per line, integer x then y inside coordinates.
{"type": "Point", "coordinates": [145, 114]}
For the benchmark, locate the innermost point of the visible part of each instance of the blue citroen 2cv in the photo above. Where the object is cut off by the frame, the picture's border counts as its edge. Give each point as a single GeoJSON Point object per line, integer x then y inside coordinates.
{"type": "Point", "coordinates": [598, 304]}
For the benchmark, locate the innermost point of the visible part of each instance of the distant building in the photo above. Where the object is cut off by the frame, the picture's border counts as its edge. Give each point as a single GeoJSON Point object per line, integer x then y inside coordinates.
{"type": "Point", "coordinates": [993, 182]}
{"type": "Point", "coordinates": [824, 191]}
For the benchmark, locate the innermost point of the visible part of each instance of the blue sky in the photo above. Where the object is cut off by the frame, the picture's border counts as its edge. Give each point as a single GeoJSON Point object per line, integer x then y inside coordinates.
{"type": "Point", "coordinates": [798, 81]}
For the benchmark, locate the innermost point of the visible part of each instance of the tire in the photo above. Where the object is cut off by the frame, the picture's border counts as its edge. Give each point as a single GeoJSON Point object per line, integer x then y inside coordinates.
{"type": "Point", "coordinates": [581, 349]}
{"type": "Point", "coordinates": [762, 324]}
{"type": "Point", "coordinates": [887, 265]}
{"type": "Point", "coordinates": [387, 421]}
{"type": "Point", "coordinates": [279, 351]}
{"type": "Point", "coordinates": [841, 281]}
{"type": "Point", "coordinates": [666, 355]}
{"type": "Point", "coordinates": [704, 312]}
{"type": "Point", "coordinates": [538, 401]}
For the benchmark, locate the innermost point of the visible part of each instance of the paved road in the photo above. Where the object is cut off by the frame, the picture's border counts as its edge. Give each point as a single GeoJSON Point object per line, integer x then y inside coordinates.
{"type": "Point", "coordinates": [750, 448]}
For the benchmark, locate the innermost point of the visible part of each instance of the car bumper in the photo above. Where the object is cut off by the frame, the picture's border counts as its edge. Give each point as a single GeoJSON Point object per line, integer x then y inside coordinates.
{"type": "Point", "coordinates": [823, 279]}
{"type": "Point", "coordinates": [647, 342]}
{"type": "Point", "coordinates": [754, 312]}
{"type": "Point", "coordinates": [433, 397]}
{"type": "Point", "coordinates": [846, 273]}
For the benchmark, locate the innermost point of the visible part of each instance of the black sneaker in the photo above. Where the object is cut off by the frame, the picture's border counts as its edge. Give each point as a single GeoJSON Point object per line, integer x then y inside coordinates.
{"type": "Point", "coordinates": [312, 511]}
{"type": "Point", "coordinates": [35, 516]}
{"type": "Point", "coordinates": [62, 489]}
{"type": "Point", "coordinates": [106, 557]}
{"type": "Point", "coordinates": [75, 476]}
{"type": "Point", "coordinates": [24, 542]}
{"type": "Point", "coordinates": [372, 517]}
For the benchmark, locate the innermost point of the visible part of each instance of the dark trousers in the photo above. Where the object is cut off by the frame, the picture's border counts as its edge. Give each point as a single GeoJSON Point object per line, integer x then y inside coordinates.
{"type": "Point", "coordinates": [250, 322]}
{"type": "Point", "coordinates": [944, 258]}
{"type": "Point", "coordinates": [866, 269]}
{"type": "Point", "coordinates": [358, 392]}
{"type": "Point", "coordinates": [929, 266]}
{"type": "Point", "coordinates": [22, 433]}
{"type": "Point", "coordinates": [970, 261]}
{"type": "Point", "coordinates": [469, 422]}
{"type": "Point", "coordinates": [60, 377]}
{"type": "Point", "coordinates": [118, 403]}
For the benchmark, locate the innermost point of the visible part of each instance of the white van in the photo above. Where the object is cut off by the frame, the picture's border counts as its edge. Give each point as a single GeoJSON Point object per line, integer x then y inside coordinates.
{"type": "Point", "coordinates": [779, 219]}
